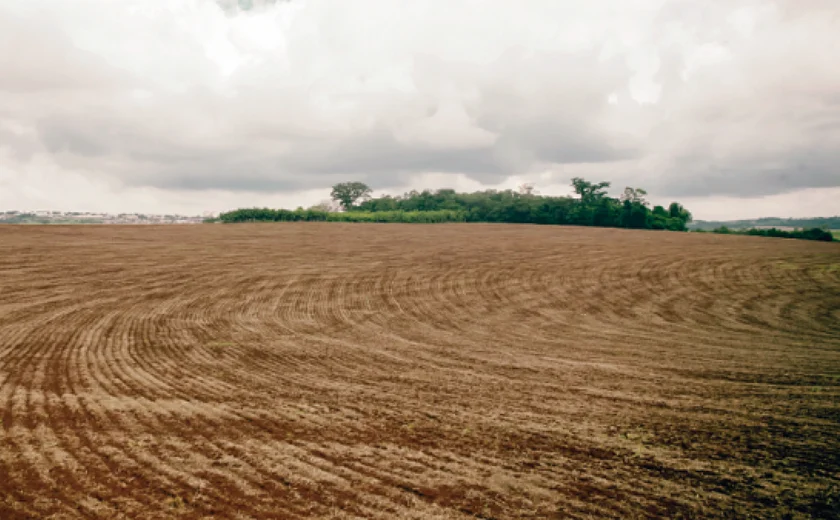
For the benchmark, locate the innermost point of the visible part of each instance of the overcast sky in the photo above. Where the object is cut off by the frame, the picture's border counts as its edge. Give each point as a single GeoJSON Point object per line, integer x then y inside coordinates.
{"type": "Point", "coordinates": [729, 106]}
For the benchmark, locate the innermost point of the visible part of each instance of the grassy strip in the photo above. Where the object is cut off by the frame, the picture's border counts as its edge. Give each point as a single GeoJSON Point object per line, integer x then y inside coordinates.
{"type": "Point", "coordinates": [309, 215]}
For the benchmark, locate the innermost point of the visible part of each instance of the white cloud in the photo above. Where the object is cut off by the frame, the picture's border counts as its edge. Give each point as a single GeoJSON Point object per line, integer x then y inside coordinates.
{"type": "Point", "coordinates": [196, 104]}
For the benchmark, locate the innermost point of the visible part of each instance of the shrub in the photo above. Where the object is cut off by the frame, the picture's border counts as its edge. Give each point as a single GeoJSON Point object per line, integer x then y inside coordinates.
{"type": "Point", "coordinates": [312, 215]}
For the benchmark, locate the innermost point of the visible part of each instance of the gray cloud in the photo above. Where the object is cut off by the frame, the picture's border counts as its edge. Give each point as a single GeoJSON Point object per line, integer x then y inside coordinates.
{"type": "Point", "coordinates": [754, 182]}
{"type": "Point", "coordinates": [729, 99]}
{"type": "Point", "coordinates": [200, 140]}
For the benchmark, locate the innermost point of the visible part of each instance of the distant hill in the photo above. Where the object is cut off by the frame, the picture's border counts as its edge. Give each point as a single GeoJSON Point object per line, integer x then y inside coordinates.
{"type": "Point", "coordinates": [807, 223]}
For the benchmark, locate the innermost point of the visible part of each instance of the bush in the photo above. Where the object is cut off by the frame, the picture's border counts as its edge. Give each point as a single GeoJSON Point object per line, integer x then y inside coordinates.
{"type": "Point", "coordinates": [802, 234]}
{"type": "Point", "coordinates": [311, 215]}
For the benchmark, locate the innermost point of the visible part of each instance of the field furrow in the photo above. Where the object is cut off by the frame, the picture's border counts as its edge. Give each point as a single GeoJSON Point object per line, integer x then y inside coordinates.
{"type": "Point", "coordinates": [428, 372]}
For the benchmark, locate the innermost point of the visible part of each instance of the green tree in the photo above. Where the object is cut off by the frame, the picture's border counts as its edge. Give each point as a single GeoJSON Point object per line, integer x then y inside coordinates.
{"type": "Point", "coordinates": [590, 192]}
{"type": "Point", "coordinates": [592, 207]}
{"type": "Point", "coordinates": [347, 193]}
{"type": "Point", "coordinates": [659, 218]}
{"type": "Point", "coordinates": [634, 195]}
{"type": "Point", "coordinates": [676, 210]}
{"type": "Point", "coordinates": [634, 215]}
{"type": "Point", "coordinates": [634, 210]}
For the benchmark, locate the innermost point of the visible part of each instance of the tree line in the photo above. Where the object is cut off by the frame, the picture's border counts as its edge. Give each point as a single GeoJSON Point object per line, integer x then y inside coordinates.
{"type": "Point", "coordinates": [819, 234]}
{"type": "Point", "coordinates": [592, 206]}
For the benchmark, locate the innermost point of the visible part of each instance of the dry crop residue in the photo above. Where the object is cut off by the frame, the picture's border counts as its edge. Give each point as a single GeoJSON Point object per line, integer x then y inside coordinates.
{"type": "Point", "coordinates": [399, 371]}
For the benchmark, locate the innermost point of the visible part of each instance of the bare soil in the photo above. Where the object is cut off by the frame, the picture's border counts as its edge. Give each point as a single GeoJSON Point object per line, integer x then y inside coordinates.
{"type": "Point", "coordinates": [416, 371]}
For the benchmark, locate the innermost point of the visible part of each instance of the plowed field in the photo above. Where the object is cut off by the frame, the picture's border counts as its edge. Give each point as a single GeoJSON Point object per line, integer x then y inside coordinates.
{"type": "Point", "coordinates": [425, 371]}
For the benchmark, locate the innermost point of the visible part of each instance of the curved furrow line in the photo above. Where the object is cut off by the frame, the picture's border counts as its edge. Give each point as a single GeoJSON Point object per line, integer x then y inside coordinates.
{"type": "Point", "coordinates": [174, 362]}
{"type": "Point", "coordinates": [332, 312]}
{"type": "Point", "coordinates": [314, 485]}
{"type": "Point", "coordinates": [246, 317]}
{"type": "Point", "coordinates": [265, 374]}
{"type": "Point", "coordinates": [103, 415]}
{"type": "Point", "coordinates": [460, 295]}
{"type": "Point", "coordinates": [396, 483]}
{"type": "Point", "coordinates": [194, 450]}
{"type": "Point", "coordinates": [199, 422]}
{"type": "Point", "coordinates": [268, 314]}
{"type": "Point", "coordinates": [30, 430]}
{"type": "Point", "coordinates": [149, 363]}
{"type": "Point", "coordinates": [298, 471]}
{"type": "Point", "coordinates": [434, 318]}
{"type": "Point", "coordinates": [131, 450]}
{"type": "Point", "coordinates": [211, 427]}
{"type": "Point", "coordinates": [679, 304]}
{"type": "Point", "coordinates": [363, 483]}
{"type": "Point", "coordinates": [308, 462]}
{"type": "Point", "coordinates": [309, 306]}
{"type": "Point", "coordinates": [68, 432]}
{"type": "Point", "coordinates": [384, 286]}
{"type": "Point", "coordinates": [199, 444]}
{"type": "Point", "coordinates": [722, 313]}
{"type": "Point", "coordinates": [82, 421]}
{"type": "Point", "coordinates": [106, 447]}
{"type": "Point", "coordinates": [362, 300]}
{"type": "Point", "coordinates": [821, 298]}
{"type": "Point", "coordinates": [690, 300]}
{"type": "Point", "coordinates": [373, 297]}
{"type": "Point", "coordinates": [421, 303]}
{"type": "Point", "coordinates": [492, 286]}
{"type": "Point", "coordinates": [784, 311]}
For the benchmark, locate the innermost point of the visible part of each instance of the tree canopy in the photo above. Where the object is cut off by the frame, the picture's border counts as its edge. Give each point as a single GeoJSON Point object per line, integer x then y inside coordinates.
{"type": "Point", "coordinates": [348, 193]}
{"type": "Point", "coordinates": [590, 206]}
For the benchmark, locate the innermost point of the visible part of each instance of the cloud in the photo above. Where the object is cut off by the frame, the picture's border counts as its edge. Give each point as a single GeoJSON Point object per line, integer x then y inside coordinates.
{"type": "Point", "coordinates": [229, 99]}
{"type": "Point", "coordinates": [754, 109]}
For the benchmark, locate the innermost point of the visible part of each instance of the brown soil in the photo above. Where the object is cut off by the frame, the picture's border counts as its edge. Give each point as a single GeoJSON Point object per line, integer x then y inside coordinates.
{"type": "Point", "coordinates": [399, 371]}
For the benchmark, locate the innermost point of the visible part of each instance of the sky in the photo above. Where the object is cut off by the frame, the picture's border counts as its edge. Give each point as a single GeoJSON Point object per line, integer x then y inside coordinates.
{"type": "Point", "coordinates": [731, 107]}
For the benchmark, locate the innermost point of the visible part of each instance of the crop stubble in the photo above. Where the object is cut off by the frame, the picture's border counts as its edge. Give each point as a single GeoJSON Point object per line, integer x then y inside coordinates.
{"type": "Point", "coordinates": [447, 371]}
